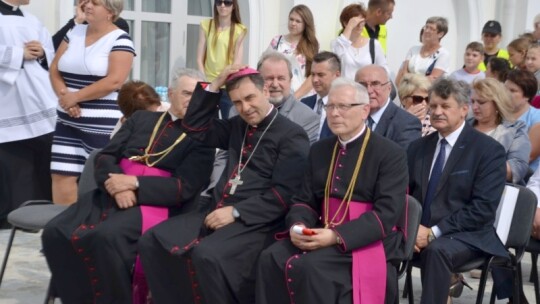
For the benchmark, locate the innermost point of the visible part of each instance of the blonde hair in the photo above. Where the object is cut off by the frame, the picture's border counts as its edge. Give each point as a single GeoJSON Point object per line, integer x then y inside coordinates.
{"type": "Point", "coordinates": [494, 90]}
{"type": "Point", "coordinates": [412, 82]}
{"type": "Point", "coordinates": [114, 6]}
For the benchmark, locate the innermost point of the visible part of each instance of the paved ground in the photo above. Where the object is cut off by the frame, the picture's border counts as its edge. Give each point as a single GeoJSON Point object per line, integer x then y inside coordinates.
{"type": "Point", "coordinates": [27, 275]}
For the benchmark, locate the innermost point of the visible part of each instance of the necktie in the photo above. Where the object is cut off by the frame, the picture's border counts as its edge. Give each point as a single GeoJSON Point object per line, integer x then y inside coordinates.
{"type": "Point", "coordinates": [370, 122]}
{"type": "Point", "coordinates": [432, 184]}
{"type": "Point", "coordinates": [320, 105]}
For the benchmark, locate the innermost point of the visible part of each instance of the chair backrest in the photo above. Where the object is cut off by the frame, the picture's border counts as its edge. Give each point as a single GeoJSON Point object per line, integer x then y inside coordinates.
{"type": "Point", "coordinates": [87, 181]}
{"type": "Point", "coordinates": [520, 229]}
{"type": "Point", "coordinates": [410, 220]}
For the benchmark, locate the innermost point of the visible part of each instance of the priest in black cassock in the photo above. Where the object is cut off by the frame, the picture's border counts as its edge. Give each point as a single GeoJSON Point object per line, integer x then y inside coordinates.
{"type": "Point", "coordinates": [210, 256]}
{"type": "Point", "coordinates": [150, 170]}
{"type": "Point", "coordinates": [344, 243]}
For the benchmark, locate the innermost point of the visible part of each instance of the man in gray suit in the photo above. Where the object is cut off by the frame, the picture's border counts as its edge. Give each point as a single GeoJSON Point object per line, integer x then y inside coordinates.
{"type": "Point", "coordinates": [385, 117]}
{"type": "Point", "coordinates": [276, 70]}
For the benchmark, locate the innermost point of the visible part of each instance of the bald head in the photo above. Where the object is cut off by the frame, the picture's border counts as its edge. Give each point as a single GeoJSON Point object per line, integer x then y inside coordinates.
{"type": "Point", "coordinates": [375, 79]}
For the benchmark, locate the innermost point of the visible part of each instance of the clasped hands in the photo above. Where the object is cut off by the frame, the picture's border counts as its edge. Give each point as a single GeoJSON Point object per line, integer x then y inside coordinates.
{"type": "Point", "coordinates": [69, 102]}
{"type": "Point", "coordinates": [322, 238]}
{"type": "Point", "coordinates": [33, 50]}
{"type": "Point", "coordinates": [122, 187]}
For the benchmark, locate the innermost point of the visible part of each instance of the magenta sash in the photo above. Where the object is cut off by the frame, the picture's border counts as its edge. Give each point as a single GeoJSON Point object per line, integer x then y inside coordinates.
{"type": "Point", "coordinates": [368, 262]}
{"type": "Point", "coordinates": [151, 216]}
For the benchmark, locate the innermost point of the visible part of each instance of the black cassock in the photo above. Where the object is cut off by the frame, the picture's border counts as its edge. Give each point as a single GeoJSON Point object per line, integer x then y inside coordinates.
{"type": "Point", "coordinates": [219, 266]}
{"type": "Point", "coordinates": [287, 274]}
{"type": "Point", "coordinates": [91, 247]}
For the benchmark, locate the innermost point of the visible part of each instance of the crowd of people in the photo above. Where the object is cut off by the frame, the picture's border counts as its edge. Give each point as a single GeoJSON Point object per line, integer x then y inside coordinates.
{"type": "Point", "coordinates": [279, 184]}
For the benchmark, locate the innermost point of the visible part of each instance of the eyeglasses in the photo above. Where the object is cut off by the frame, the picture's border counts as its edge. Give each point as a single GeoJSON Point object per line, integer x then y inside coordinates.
{"type": "Point", "coordinates": [417, 99]}
{"type": "Point", "coordinates": [227, 3]}
{"type": "Point", "coordinates": [376, 85]}
{"type": "Point", "coordinates": [342, 107]}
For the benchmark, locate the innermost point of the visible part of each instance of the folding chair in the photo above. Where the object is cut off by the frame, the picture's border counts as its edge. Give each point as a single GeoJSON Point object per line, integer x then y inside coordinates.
{"type": "Point", "coordinates": [517, 237]}
{"type": "Point", "coordinates": [411, 220]}
{"type": "Point", "coordinates": [534, 249]}
{"type": "Point", "coordinates": [32, 216]}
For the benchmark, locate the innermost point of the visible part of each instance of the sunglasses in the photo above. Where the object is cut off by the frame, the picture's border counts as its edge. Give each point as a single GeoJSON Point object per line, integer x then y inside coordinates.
{"type": "Point", "coordinates": [227, 3]}
{"type": "Point", "coordinates": [416, 99]}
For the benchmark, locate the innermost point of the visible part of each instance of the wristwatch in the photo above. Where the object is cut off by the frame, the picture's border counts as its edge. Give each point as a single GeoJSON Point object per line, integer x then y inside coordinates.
{"type": "Point", "coordinates": [431, 236]}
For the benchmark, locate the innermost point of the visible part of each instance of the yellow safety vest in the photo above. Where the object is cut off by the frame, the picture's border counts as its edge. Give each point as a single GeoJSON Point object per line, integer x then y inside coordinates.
{"type": "Point", "coordinates": [381, 38]}
{"type": "Point", "coordinates": [502, 53]}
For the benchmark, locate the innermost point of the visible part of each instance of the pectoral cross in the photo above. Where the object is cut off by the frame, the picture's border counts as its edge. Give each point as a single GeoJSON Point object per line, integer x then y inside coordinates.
{"type": "Point", "coordinates": [235, 182]}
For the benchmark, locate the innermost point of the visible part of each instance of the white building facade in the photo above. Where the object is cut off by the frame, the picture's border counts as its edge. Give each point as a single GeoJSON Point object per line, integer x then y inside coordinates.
{"type": "Point", "coordinates": [165, 32]}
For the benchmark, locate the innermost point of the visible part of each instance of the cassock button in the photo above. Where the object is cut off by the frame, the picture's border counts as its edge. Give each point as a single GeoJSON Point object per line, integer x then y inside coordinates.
{"type": "Point", "coordinates": [98, 294]}
{"type": "Point", "coordinates": [335, 189]}
{"type": "Point", "coordinates": [83, 227]}
{"type": "Point", "coordinates": [225, 195]}
{"type": "Point", "coordinates": [92, 226]}
{"type": "Point", "coordinates": [86, 259]}
{"type": "Point", "coordinates": [249, 146]}
{"type": "Point", "coordinates": [289, 280]}
{"type": "Point", "coordinates": [340, 165]}
{"type": "Point", "coordinates": [80, 250]}
{"type": "Point", "coordinates": [290, 266]}
{"type": "Point", "coordinates": [292, 293]}
{"type": "Point", "coordinates": [338, 178]}
{"type": "Point", "coordinates": [91, 269]}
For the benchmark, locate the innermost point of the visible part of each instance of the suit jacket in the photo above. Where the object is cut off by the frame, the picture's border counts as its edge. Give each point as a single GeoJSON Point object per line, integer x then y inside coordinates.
{"type": "Point", "coordinates": [470, 188]}
{"type": "Point", "coordinates": [399, 125]}
{"type": "Point", "coordinates": [311, 101]}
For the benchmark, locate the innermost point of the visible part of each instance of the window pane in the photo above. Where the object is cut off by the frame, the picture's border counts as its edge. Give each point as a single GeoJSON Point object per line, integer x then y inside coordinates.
{"type": "Point", "coordinates": [155, 50]}
{"type": "Point", "coordinates": [191, 45]}
{"type": "Point", "coordinates": [131, 34]}
{"type": "Point", "coordinates": [129, 5]}
{"type": "Point", "coordinates": [200, 8]}
{"type": "Point", "coordinates": [156, 6]}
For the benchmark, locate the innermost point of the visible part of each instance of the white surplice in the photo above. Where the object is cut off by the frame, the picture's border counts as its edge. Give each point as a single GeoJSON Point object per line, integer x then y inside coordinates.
{"type": "Point", "coordinates": [27, 100]}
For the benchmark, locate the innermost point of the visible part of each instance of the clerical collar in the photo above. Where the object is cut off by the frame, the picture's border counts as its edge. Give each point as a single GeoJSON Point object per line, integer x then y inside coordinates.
{"type": "Point", "coordinates": [265, 117]}
{"type": "Point", "coordinates": [173, 117]}
{"type": "Point", "coordinates": [345, 142]}
{"type": "Point", "coordinates": [9, 9]}
{"type": "Point", "coordinates": [377, 115]}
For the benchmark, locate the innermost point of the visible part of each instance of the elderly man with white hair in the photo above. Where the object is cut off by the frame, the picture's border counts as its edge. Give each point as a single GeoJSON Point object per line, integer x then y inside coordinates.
{"type": "Point", "coordinates": [342, 218]}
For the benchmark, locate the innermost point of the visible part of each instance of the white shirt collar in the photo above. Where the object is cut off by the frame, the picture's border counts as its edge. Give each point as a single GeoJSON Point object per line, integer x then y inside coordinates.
{"type": "Point", "coordinates": [377, 115]}
{"type": "Point", "coordinates": [324, 99]}
{"type": "Point", "coordinates": [344, 143]}
{"type": "Point", "coordinates": [453, 137]}
{"type": "Point", "coordinates": [173, 117]}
